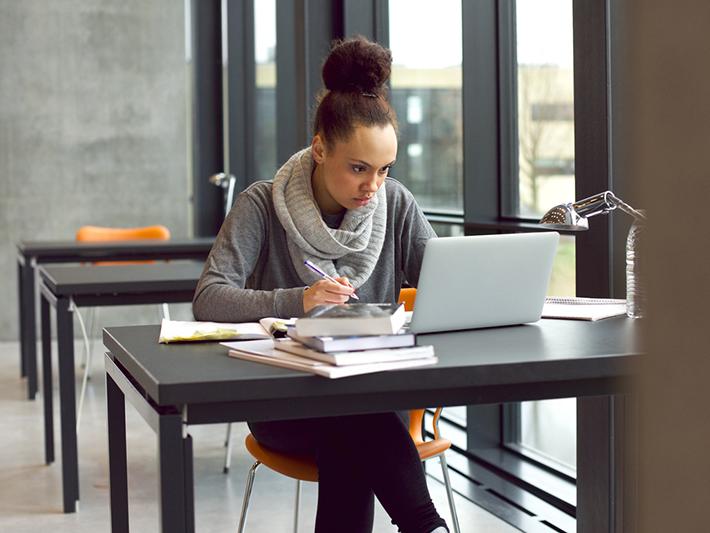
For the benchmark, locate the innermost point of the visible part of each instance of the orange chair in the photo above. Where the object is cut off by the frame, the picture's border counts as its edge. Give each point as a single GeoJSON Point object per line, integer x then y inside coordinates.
{"type": "Point", "coordinates": [407, 296]}
{"type": "Point", "coordinates": [99, 234]}
{"type": "Point", "coordinates": [303, 468]}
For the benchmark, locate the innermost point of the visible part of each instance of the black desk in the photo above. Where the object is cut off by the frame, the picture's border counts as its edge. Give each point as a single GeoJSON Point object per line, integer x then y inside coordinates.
{"type": "Point", "coordinates": [94, 286]}
{"type": "Point", "coordinates": [32, 253]}
{"type": "Point", "coordinates": [173, 386]}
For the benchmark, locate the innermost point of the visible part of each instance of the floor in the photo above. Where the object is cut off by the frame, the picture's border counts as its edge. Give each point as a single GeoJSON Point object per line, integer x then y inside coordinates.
{"type": "Point", "coordinates": [30, 491]}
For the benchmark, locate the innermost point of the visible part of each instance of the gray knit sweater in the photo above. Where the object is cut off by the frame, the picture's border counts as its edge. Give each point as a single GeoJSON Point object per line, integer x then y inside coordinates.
{"type": "Point", "coordinates": [249, 274]}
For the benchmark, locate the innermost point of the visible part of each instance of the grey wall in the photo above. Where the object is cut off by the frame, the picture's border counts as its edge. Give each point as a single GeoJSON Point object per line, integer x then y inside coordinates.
{"type": "Point", "coordinates": [92, 125]}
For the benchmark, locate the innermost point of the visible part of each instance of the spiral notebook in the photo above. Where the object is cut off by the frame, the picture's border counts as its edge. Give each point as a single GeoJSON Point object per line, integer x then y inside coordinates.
{"type": "Point", "coordinates": [582, 308]}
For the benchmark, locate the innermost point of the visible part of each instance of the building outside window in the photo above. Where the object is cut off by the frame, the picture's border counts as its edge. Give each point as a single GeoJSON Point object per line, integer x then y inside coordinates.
{"type": "Point", "coordinates": [426, 94]}
{"type": "Point", "coordinates": [265, 59]}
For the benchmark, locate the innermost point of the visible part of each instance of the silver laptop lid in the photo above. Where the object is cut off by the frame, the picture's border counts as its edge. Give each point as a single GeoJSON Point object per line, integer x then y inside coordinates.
{"type": "Point", "coordinates": [483, 281]}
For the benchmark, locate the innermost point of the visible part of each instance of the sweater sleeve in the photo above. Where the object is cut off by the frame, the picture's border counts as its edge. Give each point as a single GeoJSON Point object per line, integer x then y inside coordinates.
{"type": "Point", "coordinates": [416, 231]}
{"type": "Point", "coordinates": [221, 295]}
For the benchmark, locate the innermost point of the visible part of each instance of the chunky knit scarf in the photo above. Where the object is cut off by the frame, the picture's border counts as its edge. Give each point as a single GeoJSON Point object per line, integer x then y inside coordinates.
{"type": "Point", "coordinates": [351, 250]}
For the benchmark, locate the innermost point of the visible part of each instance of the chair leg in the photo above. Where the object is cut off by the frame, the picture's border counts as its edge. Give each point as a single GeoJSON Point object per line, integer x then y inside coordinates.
{"type": "Point", "coordinates": [228, 451]}
{"type": "Point", "coordinates": [228, 436]}
{"type": "Point", "coordinates": [90, 322]}
{"type": "Point", "coordinates": [95, 321]}
{"type": "Point", "coordinates": [87, 367]}
{"type": "Point", "coordinates": [247, 495]}
{"type": "Point", "coordinates": [298, 506]}
{"type": "Point", "coordinates": [449, 493]}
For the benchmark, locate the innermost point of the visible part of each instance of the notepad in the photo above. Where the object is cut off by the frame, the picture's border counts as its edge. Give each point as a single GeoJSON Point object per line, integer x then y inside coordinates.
{"type": "Point", "coordinates": [582, 308]}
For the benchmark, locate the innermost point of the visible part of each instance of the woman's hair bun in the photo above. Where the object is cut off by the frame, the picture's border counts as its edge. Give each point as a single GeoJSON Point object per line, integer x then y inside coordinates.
{"type": "Point", "coordinates": [357, 65]}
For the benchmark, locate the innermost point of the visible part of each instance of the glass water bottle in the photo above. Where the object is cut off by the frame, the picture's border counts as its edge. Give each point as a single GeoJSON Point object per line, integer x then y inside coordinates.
{"type": "Point", "coordinates": [636, 300]}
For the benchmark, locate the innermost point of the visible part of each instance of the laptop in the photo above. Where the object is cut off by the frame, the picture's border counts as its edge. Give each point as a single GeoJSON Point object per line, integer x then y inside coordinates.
{"type": "Point", "coordinates": [483, 281]}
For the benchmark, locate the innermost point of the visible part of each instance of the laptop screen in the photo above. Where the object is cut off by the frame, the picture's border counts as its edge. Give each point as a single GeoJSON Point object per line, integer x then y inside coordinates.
{"type": "Point", "coordinates": [483, 281]}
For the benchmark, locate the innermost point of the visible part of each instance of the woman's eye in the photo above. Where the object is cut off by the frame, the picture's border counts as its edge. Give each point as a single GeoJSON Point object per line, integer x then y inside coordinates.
{"type": "Point", "coordinates": [384, 171]}
{"type": "Point", "coordinates": [358, 168]}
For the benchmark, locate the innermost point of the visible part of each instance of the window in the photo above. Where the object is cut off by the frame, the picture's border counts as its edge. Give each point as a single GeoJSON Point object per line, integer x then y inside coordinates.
{"type": "Point", "coordinates": [265, 59]}
{"type": "Point", "coordinates": [545, 105]}
{"type": "Point", "coordinates": [426, 94]}
{"type": "Point", "coordinates": [545, 80]}
{"type": "Point", "coordinates": [488, 110]}
{"type": "Point", "coordinates": [548, 432]}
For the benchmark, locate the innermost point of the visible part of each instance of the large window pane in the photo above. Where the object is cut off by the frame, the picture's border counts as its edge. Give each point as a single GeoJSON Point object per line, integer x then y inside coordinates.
{"type": "Point", "coordinates": [547, 429]}
{"type": "Point", "coordinates": [563, 279]}
{"type": "Point", "coordinates": [548, 432]}
{"type": "Point", "coordinates": [545, 104]}
{"type": "Point", "coordinates": [426, 93]}
{"type": "Point", "coordinates": [265, 57]}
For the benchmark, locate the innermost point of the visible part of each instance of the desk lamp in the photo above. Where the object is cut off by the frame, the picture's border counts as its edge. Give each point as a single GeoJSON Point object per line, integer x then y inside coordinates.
{"type": "Point", "coordinates": [573, 217]}
{"type": "Point", "coordinates": [226, 182]}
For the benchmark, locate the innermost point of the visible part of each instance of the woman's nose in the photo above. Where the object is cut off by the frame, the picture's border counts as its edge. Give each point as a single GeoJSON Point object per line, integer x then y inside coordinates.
{"type": "Point", "coordinates": [371, 185]}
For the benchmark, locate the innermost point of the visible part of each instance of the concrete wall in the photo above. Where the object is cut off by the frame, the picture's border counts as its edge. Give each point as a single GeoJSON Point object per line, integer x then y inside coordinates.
{"type": "Point", "coordinates": [92, 125]}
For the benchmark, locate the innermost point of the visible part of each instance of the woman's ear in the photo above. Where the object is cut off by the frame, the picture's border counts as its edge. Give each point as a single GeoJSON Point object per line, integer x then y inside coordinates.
{"type": "Point", "coordinates": [318, 149]}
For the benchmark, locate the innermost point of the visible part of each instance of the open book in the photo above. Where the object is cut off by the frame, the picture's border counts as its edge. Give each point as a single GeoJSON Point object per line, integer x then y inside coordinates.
{"type": "Point", "coordinates": [264, 351]}
{"type": "Point", "coordinates": [582, 308]}
{"type": "Point", "coordinates": [184, 331]}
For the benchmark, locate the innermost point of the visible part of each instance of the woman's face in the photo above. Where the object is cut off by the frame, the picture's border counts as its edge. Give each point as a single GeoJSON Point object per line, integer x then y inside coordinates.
{"type": "Point", "coordinates": [349, 173]}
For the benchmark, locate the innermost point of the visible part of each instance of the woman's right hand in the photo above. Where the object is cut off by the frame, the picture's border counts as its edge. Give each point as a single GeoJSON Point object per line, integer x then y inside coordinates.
{"type": "Point", "coordinates": [326, 292]}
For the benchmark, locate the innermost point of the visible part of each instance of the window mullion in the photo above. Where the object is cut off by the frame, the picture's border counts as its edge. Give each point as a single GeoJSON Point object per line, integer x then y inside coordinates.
{"type": "Point", "coordinates": [508, 108]}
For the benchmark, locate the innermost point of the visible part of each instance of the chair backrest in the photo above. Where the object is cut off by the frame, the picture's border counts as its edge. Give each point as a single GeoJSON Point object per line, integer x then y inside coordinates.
{"type": "Point", "coordinates": [416, 416]}
{"type": "Point", "coordinates": [98, 233]}
{"type": "Point", "coordinates": [407, 296]}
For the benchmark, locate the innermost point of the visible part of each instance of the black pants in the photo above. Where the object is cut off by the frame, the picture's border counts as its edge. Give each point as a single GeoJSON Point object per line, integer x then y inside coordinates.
{"type": "Point", "coordinates": [359, 457]}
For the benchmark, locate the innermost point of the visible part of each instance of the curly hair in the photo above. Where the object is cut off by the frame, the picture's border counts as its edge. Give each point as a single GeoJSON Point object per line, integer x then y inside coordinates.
{"type": "Point", "coordinates": [355, 75]}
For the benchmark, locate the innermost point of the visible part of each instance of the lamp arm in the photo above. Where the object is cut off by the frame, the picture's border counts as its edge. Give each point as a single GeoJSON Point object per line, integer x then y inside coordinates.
{"type": "Point", "coordinates": [603, 203]}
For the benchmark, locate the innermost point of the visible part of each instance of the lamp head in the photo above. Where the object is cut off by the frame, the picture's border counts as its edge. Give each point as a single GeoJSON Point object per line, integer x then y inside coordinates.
{"type": "Point", "coordinates": [565, 217]}
{"type": "Point", "coordinates": [573, 216]}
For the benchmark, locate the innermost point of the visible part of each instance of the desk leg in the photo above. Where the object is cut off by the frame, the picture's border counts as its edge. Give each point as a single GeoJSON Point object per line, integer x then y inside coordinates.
{"type": "Point", "coordinates": [176, 514]}
{"type": "Point", "coordinates": [21, 314]}
{"type": "Point", "coordinates": [189, 485]}
{"type": "Point", "coordinates": [29, 328]}
{"type": "Point", "coordinates": [605, 472]}
{"type": "Point", "coordinates": [47, 393]}
{"type": "Point", "coordinates": [118, 468]}
{"type": "Point", "coordinates": [67, 404]}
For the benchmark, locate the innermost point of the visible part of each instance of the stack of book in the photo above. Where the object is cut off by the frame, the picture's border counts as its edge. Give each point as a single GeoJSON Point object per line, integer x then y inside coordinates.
{"type": "Point", "coordinates": [343, 340]}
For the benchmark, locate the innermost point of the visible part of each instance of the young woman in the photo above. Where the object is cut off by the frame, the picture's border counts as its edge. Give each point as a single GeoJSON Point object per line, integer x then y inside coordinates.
{"type": "Point", "coordinates": [333, 204]}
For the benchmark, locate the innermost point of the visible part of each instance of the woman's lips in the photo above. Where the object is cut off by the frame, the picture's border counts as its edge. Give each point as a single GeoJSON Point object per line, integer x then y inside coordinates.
{"type": "Point", "coordinates": [363, 201]}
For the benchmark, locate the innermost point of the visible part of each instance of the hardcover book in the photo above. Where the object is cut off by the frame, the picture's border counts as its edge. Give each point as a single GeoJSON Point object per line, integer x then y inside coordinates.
{"type": "Point", "coordinates": [351, 319]}
{"type": "Point", "coordinates": [356, 357]}
{"type": "Point", "coordinates": [263, 351]}
{"type": "Point", "coordinates": [354, 342]}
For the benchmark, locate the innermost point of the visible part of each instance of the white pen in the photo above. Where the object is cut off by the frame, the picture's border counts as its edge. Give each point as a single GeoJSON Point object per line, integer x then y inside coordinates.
{"type": "Point", "coordinates": [323, 275]}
